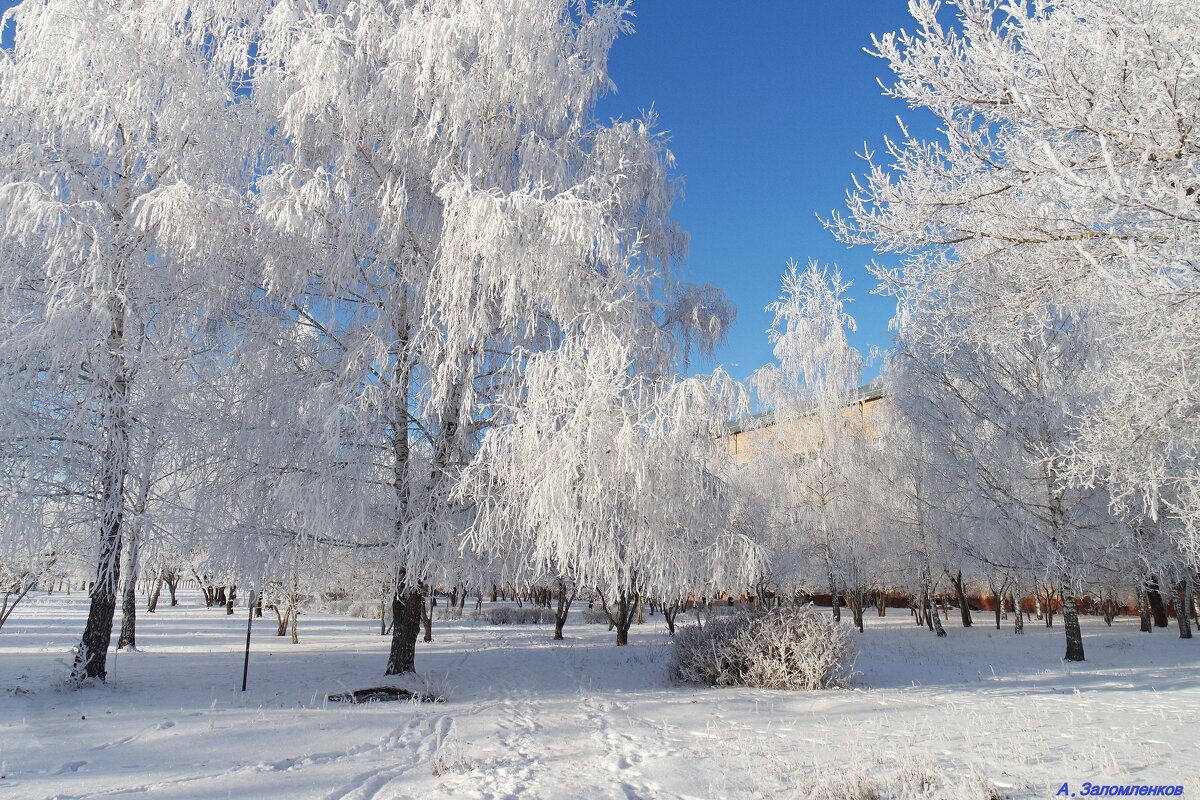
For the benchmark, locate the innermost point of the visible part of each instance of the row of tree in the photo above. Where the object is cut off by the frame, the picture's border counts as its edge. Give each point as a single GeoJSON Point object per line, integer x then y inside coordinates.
{"type": "Point", "coordinates": [1042, 388]}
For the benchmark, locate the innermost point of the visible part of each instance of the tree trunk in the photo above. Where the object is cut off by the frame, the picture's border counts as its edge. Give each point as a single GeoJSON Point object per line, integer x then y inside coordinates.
{"type": "Point", "coordinates": [1019, 619]}
{"type": "Point", "coordinates": [114, 422]}
{"type": "Point", "coordinates": [834, 599]}
{"type": "Point", "coordinates": [669, 612]}
{"type": "Point", "coordinates": [406, 624]}
{"type": "Point", "coordinates": [427, 617]}
{"type": "Point", "coordinates": [1157, 607]}
{"type": "Point", "coordinates": [931, 613]}
{"type": "Point", "coordinates": [128, 635]}
{"type": "Point", "coordinates": [1071, 622]}
{"type": "Point", "coordinates": [854, 601]}
{"type": "Point", "coordinates": [1183, 602]}
{"type": "Point", "coordinates": [998, 599]}
{"type": "Point", "coordinates": [621, 617]}
{"type": "Point", "coordinates": [172, 585]}
{"type": "Point", "coordinates": [964, 608]}
{"type": "Point", "coordinates": [881, 603]}
{"type": "Point", "coordinates": [1147, 624]}
{"type": "Point", "coordinates": [564, 607]}
{"type": "Point", "coordinates": [295, 624]}
{"type": "Point", "coordinates": [230, 597]}
{"type": "Point", "coordinates": [624, 621]}
{"type": "Point", "coordinates": [152, 604]}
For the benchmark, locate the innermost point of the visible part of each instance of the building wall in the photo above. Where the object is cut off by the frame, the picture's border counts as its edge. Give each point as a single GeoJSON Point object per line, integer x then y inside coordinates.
{"type": "Point", "coordinates": [755, 435]}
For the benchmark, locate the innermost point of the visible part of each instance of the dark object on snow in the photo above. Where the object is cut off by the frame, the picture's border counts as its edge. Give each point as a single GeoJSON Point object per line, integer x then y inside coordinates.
{"type": "Point", "coordinates": [383, 694]}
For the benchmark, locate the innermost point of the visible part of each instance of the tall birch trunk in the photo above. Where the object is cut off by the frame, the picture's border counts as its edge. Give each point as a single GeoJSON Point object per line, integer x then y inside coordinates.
{"type": "Point", "coordinates": [91, 657]}
{"type": "Point", "coordinates": [128, 636]}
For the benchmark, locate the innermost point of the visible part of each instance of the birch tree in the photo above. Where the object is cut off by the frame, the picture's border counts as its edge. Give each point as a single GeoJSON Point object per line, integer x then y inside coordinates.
{"type": "Point", "coordinates": [810, 470]}
{"type": "Point", "coordinates": [611, 474]}
{"type": "Point", "coordinates": [439, 202]}
{"type": "Point", "coordinates": [119, 122]}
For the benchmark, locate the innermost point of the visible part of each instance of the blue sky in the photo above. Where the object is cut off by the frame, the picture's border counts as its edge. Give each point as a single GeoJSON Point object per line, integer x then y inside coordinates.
{"type": "Point", "coordinates": [767, 103]}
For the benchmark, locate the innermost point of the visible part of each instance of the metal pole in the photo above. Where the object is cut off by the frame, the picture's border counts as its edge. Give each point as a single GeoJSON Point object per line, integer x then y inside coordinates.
{"type": "Point", "coordinates": [249, 622]}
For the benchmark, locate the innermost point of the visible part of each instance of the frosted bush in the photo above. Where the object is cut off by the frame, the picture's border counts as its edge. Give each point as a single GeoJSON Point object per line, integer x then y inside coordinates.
{"type": "Point", "coordinates": [520, 616]}
{"type": "Point", "coordinates": [363, 609]}
{"type": "Point", "coordinates": [593, 616]}
{"type": "Point", "coordinates": [787, 648]}
{"type": "Point", "coordinates": [449, 613]}
{"type": "Point", "coordinates": [725, 610]}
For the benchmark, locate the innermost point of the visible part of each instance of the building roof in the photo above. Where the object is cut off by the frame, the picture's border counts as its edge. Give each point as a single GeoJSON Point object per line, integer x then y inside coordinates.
{"type": "Point", "coordinates": [868, 391]}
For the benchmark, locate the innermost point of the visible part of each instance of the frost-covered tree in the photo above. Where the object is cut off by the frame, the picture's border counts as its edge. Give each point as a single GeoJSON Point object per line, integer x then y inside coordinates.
{"type": "Point", "coordinates": [121, 130]}
{"type": "Point", "coordinates": [439, 203]}
{"type": "Point", "coordinates": [611, 473]}
{"type": "Point", "coordinates": [1066, 171]}
{"type": "Point", "coordinates": [996, 420]}
{"type": "Point", "coordinates": [809, 471]}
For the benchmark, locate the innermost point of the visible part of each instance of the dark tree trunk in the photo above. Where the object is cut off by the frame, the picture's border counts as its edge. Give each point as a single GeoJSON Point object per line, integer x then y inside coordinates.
{"type": "Point", "coordinates": [964, 608]}
{"type": "Point", "coordinates": [406, 624]}
{"type": "Point", "coordinates": [114, 421]}
{"type": "Point", "coordinates": [91, 658]}
{"type": "Point", "coordinates": [881, 603]}
{"type": "Point", "coordinates": [128, 635]}
{"type": "Point", "coordinates": [172, 585]}
{"type": "Point", "coordinates": [931, 613]}
{"type": "Point", "coordinates": [669, 612]}
{"type": "Point", "coordinates": [621, 615]}
{"type": "Point", "coordinates": [1183, 602]}
{"type": "Point", "coordinates": [565, 598]}
{"type": "Point", "coordinates": [854, 601]}
{"type": "Point", "coordinates": [427, 617]}
{"type": "Point", "coordinates": [1071, 622]}
{"type": "Point", "coordinates": [834, 597]}
{"type": "Point", "coordinates": [206, 588]}
{"type": "Point", "coordinates": [1157, 607]}
{"type": "Point", "coordinates": [998, 598]}
{"type": "Point", "coordinates": [230, 597]}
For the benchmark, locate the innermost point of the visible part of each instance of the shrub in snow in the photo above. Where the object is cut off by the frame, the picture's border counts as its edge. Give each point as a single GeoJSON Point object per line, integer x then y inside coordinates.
{"type": "Point", "coordinates": [520, 616]}
{"type": "Point", "coordinates": [787, 648]}
{"type": "Point", "coordinates": [363, 609]}
{"type": "Point", "coordinates": [726, 610]}
{"type": "Point", "coordinates": [449, 613]}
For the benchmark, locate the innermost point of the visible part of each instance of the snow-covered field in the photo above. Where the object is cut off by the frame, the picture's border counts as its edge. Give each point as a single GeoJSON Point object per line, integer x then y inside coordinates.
{"type": "Point", "coordinates": [529, 717]}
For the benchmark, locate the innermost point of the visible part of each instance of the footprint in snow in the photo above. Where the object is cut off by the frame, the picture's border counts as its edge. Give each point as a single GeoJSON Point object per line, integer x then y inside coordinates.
{"type": "Point", "coordinates": [71, 766]}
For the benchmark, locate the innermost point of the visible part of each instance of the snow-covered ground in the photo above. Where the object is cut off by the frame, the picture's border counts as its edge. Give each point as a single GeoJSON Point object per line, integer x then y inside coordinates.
{"type": "Point", "coordinates": [529, 717]}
